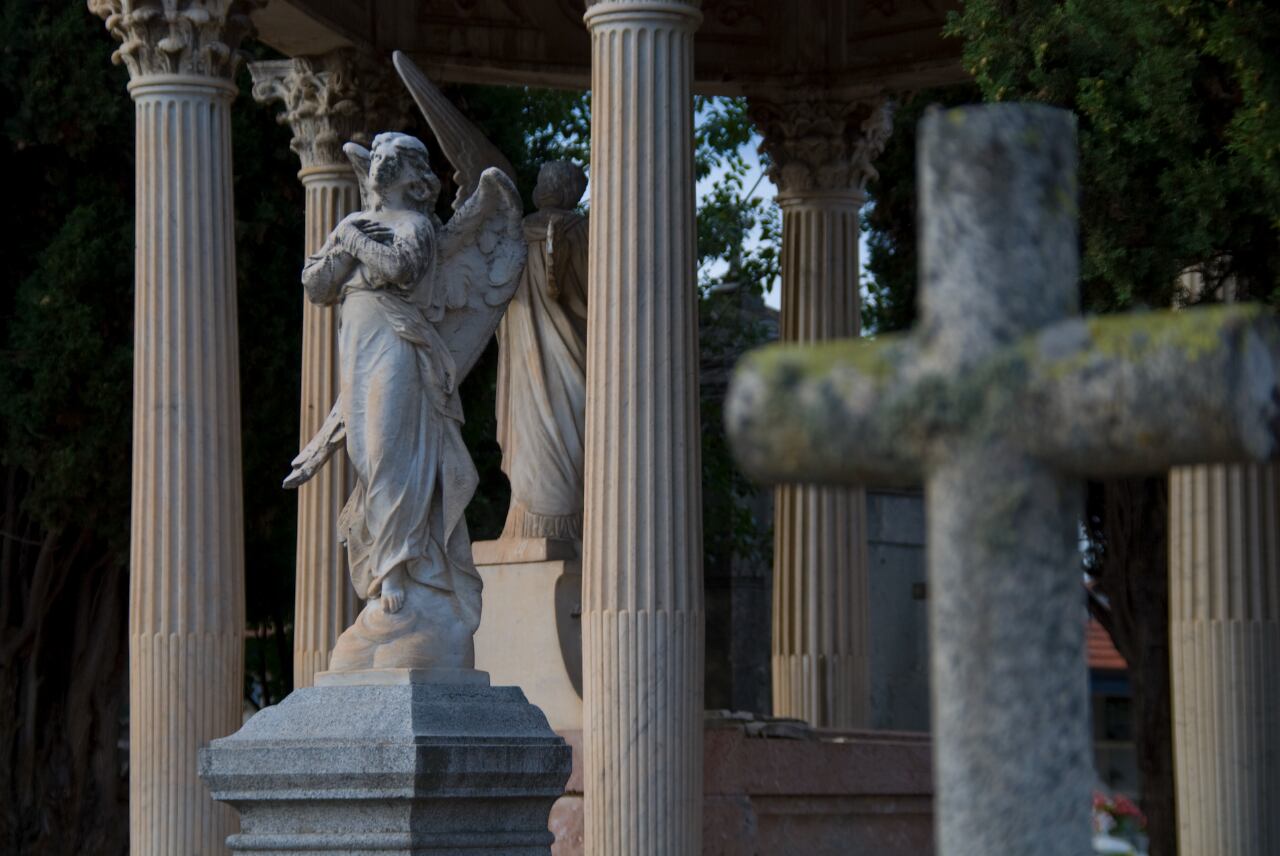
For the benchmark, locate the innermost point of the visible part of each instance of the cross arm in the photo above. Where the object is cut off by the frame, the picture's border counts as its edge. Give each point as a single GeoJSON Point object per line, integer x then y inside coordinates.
{"type": "Point", "coordinates": [832, 413]}
{"type": "Point", "coordinates": [1139, 393]}
{"type": "Point", "coordinates": [1119, 395]}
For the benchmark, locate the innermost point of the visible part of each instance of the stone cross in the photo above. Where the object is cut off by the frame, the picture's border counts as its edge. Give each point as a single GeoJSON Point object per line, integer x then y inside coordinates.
{"type": "Point", "coordinates": [1001, 402]}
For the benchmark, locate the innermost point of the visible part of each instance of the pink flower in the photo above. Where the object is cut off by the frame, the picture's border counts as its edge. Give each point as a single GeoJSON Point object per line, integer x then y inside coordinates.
{"type": "Point", "coordinates": [1125, 807]}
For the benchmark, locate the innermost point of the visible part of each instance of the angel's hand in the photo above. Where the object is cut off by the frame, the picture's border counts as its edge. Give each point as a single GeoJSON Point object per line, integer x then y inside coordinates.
{"type": "Point", "coordinates": [374, 231]}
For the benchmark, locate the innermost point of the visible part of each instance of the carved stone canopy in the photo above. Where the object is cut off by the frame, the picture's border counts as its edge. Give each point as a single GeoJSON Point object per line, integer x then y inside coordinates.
{"type": "Point", "coordinates": [193, 37]}
{"type": "Point", "coordinates": [857, 47]}
{"type": "Point", "coordinates": [821, 144]}
{"type": "Point", "coordinates": [331, 99]}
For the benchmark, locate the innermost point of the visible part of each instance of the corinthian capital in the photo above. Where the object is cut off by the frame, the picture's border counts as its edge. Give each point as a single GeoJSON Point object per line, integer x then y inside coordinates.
{"type": "Point", "coordinates": [195, 37]}
{"type": "Point", "coordinates": [330, 99]}
{"type": "Point", "coordinates": [817, 144]}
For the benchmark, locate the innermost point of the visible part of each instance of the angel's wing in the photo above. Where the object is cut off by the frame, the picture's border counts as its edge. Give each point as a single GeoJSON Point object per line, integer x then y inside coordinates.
{"type": "Point", "coordinates": [481, 254]}
{"type": "Point", "coordinates": [329, 439]}
{"type": "Point", "coordinates": [359, 157]}
{"type": "Point", "coordinates": [462, 143]}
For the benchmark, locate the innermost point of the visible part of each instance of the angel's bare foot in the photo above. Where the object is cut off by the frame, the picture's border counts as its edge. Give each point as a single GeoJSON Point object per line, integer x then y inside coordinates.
{"type": "Point", "coordinates": [393, 591]}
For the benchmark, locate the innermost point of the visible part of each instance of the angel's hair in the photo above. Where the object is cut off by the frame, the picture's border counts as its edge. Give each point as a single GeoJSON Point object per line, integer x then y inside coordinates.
{"type": "Point", "coordinates": [423, 187]}
{"type": "Point", "coordinates": [560, 185]}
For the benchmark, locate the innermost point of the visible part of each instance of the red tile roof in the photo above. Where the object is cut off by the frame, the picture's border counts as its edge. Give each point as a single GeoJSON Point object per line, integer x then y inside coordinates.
{"type": "Point", "coordinates": [1102, 653]}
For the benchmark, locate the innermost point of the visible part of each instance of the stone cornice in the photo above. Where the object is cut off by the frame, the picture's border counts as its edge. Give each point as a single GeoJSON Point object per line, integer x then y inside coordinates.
{"type": "Point", "coordinates": [186, 37]}
{"type": "Point", "coordinates": [816, 144]}
{"type": "Point", "coordinates": [332, 99]}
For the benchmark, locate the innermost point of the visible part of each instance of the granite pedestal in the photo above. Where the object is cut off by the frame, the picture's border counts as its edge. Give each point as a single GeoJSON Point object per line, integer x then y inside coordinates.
{"type": "Point", "coordinates": [392, 764]}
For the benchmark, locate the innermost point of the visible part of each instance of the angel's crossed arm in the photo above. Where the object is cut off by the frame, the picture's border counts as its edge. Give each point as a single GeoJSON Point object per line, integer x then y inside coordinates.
{"type": "Point", "coordinates": [397, 258]}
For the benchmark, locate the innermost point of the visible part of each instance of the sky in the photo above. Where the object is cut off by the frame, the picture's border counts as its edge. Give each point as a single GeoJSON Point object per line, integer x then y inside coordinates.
{"type": "Point", "coordinates": [765, 190]}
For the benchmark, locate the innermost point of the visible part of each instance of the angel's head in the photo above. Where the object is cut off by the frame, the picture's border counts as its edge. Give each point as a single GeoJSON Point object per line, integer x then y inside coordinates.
{"type": "Point", "coordinates": [560, 185]}
{"type": "Point", "coordinates": [400, 174]}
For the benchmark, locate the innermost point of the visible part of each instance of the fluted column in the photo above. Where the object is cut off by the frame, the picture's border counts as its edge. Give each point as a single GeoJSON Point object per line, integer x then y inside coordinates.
{"type": "Point", "coordinates": [1224, 592]}
{"type": "Point", "coordinates": [186, 595]}
{"type": "Point", "coordinates": [821, 153]}
{"type": "Point", "coordinates": [324, 602]}
{"type": "Point", "coordinates": [328, 101]}
{"type": "Point", "coordinates": [642, 552]}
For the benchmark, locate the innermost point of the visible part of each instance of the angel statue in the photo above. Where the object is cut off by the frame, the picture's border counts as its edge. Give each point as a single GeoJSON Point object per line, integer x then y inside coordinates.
{"type": "Point", "coordinates": [419, 301]}
{"type": "Point", "coordinates": [542, 370]}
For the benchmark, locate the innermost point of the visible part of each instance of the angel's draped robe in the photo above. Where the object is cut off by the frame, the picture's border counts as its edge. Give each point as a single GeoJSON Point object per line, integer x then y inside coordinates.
{"type": "Point", "coordinates": [414, 476]}
{"type": "Point", "coordinates": [541, 399]}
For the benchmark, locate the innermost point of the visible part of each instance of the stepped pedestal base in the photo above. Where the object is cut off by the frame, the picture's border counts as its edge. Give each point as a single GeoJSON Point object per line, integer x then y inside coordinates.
{"type": "Point", "coordinates": [406, 768]}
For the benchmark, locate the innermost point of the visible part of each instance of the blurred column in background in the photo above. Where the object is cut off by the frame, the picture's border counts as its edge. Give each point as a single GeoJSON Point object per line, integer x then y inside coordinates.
{"type": "Point", "coordinates": [821, 151]}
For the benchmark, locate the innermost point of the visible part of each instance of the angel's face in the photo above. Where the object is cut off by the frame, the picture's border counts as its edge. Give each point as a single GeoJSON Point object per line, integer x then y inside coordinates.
{"type": "Point", "coordinates": [400, 174]}
{"type": "Point", "coordinates": [385, 167]}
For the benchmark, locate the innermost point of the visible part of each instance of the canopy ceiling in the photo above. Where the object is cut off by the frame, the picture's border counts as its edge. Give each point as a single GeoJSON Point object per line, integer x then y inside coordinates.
{"type": "Point", "coordinates": [854, 47]}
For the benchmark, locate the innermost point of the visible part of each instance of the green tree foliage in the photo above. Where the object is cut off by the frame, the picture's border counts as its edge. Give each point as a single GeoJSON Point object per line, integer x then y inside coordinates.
{"type": "Point", "coordinates": [738, 247]}
{"type": "Point", "coordinates": [889, 219]}
{"type": "Point", "coordinates": [530, 126]}
{"type": "Point", "coordinates": [65, 331]}
{"type": "Point", "coordinates": [1179, 142]}
{"type": "Point", "coordinates": [1179, 131]}
{"type": "Point", "coordinates": [736, 229]}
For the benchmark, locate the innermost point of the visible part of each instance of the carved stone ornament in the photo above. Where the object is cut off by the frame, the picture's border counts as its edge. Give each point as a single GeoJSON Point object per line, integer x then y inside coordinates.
{"type": "Point", "coordinates": [195, 37]}
{"type": "Point", "coordinates": [823, 145]}
{"type": "Point", "coordinates": [330, 99]}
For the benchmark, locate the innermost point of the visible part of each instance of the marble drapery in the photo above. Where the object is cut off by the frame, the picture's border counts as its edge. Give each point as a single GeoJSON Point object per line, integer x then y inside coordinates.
{"type": "Point", "coordinates": [385, 337]}
{"type": "Point", "coordinates": [398, 515]}
{"type": "Point", "coordinates": [542, 370]}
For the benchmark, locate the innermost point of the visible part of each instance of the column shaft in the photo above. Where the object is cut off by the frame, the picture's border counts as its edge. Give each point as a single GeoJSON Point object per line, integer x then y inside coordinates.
{"type": "Point", "coordinates": [820, 633]}
{"type": "Point", "coordinates": [642, 589]}
{"type": "Point", "coordinates": [325, 603]}
{"type": "Point", "coordinates": [186, 622]}
{"type": "Point", "coordinates": [1224, 592]}
{"type": "Point", "coordinates": [821, 148]}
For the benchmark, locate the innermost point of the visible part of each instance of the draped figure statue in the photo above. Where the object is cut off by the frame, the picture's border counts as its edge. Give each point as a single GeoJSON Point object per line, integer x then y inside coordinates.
{"type": "Point", "coordinates": [541, 401]}
{"type": "Point", "coordinates": [542, 365]}
{"type": "Point", "coordinates": [418, 299]}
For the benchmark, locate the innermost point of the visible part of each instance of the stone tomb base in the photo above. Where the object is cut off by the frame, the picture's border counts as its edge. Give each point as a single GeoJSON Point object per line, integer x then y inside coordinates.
{"type": "Point", "coordinates": [400, 766]}
{"type": "Point", "coordinates": [778, 788]}
{"type": "Point", "coordinates": [531, 627]}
